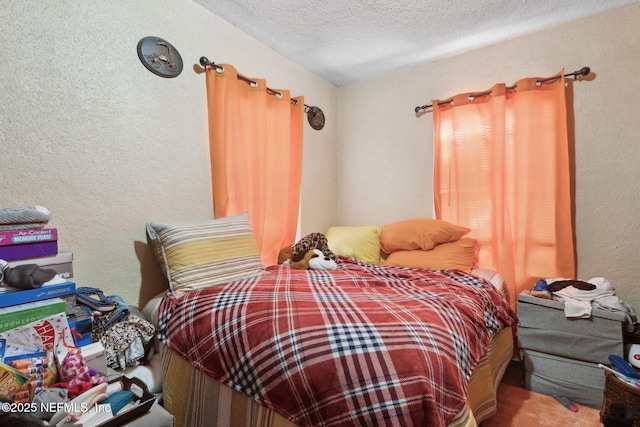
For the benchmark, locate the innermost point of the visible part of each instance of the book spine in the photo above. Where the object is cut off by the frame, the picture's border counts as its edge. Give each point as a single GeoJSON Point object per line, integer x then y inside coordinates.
{"type": "Point", "coordinates": [20, 237]}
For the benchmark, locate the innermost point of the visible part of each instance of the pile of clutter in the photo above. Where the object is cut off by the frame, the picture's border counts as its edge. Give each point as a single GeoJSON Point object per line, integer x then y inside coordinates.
{"type": "Point", "coordinates": [57, 340]}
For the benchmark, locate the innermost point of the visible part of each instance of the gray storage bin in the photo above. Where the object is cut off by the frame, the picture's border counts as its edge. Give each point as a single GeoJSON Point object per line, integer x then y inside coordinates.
{"type": "Point", "coordinates": [545, 328]}
{"type": "Point", "coordinates": [582, 382]}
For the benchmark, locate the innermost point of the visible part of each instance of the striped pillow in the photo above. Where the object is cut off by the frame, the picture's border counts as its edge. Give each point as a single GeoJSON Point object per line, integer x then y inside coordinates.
{"type": "Point", "coordinates": [200, 254]}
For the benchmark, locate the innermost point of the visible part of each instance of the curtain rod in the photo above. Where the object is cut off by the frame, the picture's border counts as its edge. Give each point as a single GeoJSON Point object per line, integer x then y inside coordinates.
{"type": "Point", "coordinates": [204, 61]}
{"type": "Point", "coordinates": [581, 72]}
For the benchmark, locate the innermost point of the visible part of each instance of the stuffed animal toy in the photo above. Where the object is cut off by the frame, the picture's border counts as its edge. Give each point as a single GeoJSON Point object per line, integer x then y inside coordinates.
{"type": "Point", "coordinates": [74, 370]}
{"type": "Point", "coordinates": [309, 242]}
{"type": "Point", "coordinates": [302, 264]}
{"type": "Point", "coordinates": [314, 260]}
{"type": "Point", "coordinates": [285, 254]}
{"type": "Point", "coordinates": [321, 262]}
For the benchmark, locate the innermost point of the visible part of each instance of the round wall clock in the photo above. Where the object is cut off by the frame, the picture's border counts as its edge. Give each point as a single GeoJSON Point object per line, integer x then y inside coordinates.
{"type": "Point", "coordinates": [159, 56]}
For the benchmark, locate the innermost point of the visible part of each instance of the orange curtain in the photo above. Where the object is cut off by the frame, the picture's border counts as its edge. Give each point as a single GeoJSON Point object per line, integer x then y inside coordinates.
{"type": "Point", "coordinates": [255, 142]}
{"type": "Point", "coordinates": [502, 169]}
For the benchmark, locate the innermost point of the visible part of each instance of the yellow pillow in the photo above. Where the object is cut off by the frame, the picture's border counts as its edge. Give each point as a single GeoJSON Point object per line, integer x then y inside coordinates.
{"type": "Point", "coordinates": [414, 234]}
{"type": "Point", "coordinates": [360, 243]}
{"type": "Point", "coordinates": [458, 255]}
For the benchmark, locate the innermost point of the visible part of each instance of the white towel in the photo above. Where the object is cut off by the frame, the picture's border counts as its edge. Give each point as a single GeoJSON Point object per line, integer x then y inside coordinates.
{"type": "Point", "coordinates": [577, 309]}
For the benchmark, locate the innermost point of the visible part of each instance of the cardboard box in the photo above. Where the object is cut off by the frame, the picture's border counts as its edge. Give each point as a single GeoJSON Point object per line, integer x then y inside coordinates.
{"type": "Point", "coordinates": [81, 329]}
{"type": "Point", "coordinates": [22, 237]}
{"type": "Point", "coordinates": [62, 263]}
{"type": "Point", "coordinates": [70, 300]}
{"type": "Point", "coordinates": [22, 314]}
{"type": "Point", "coordinates": [36, 337]}
{"type": "Point", "coordinates": [545, 328]}
{"type": "Point", "coordinates": [21, 244]}
{"type": "Point", "coordinates": [31, 250]}
{"type": "Point", "coordinates": [95, 356]}
{"type": "Point", "coordinates": [11, 382]}
{"type": "Point", "coordinates": [13, 296]}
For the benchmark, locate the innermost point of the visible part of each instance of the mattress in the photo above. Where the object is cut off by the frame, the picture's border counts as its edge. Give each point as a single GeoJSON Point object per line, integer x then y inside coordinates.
{"type": "Point", "coordinates": [195, 398]}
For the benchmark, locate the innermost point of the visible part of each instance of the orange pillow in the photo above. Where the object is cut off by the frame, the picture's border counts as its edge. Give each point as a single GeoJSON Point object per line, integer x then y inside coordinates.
{"type": "Point", "coordinates": [416, 234]}
{"type": "Point", "coordinates": [458, 255]}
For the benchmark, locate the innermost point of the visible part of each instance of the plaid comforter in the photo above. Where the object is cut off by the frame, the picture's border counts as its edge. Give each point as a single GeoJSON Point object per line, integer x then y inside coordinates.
{"type": "Point", "coordinates": [362, 345]}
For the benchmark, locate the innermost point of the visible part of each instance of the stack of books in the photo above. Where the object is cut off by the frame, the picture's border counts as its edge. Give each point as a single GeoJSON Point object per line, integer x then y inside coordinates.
{"type": "Point", "coordinates": [38, 246]}
{"type": "Point", "coordinates": [32, 334]}
{"type": "Point", "coordinates": [37, 324]}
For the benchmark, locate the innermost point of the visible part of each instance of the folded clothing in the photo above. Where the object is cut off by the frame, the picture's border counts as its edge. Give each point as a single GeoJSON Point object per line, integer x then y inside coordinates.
{"type": "Point", "coordinates": [24, 217]}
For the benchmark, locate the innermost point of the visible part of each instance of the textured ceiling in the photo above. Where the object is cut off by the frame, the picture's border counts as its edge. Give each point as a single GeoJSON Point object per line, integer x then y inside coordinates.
{"type": "Point", "coordinates": [349, 41]}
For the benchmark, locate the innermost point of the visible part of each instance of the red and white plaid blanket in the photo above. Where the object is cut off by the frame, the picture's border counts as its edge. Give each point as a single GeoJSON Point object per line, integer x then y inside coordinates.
{"type": "Point", "coordinates": [362, 345]}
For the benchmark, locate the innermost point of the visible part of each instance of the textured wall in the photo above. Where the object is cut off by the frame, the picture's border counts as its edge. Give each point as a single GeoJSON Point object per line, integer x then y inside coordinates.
{"type": "Point", "coordinates": [385, 147]}
{"type": "Point", "coordinates": [89, 133]}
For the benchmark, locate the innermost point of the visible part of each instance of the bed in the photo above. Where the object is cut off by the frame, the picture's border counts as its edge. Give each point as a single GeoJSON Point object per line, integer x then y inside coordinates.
{"type": "Point", "coordinates": [365, 344]}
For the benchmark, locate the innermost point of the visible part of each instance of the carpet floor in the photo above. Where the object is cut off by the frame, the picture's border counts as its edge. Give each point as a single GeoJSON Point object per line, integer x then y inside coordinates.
{"type": "Point", "coordinates": [518, 407]}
